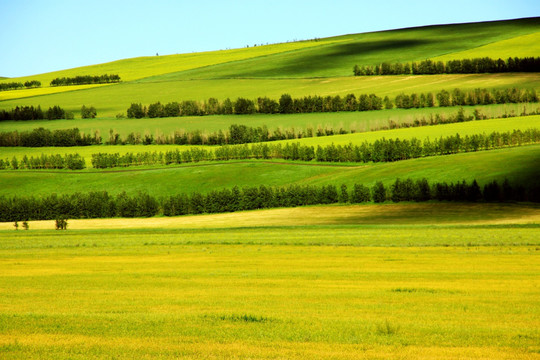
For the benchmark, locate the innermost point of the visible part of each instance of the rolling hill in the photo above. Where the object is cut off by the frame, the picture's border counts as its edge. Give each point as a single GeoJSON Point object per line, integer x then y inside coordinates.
{"type": "Point", "coordinates": [322, 66]}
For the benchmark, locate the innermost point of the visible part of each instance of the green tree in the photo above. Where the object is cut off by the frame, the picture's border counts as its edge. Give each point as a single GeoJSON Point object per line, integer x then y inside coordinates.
{"type": "Point", "coordinates": [286, 104]}
{"type": "Point", "coordinates": [388, 103]}
{"type": "Point", "coordinates": [343, 194]}
{"type": "Point", "coordinates": [379, 192]}
{"type": "Point", "coordinates": [136, 111]}
{"type": "Point", "coordinates": [88, 112]}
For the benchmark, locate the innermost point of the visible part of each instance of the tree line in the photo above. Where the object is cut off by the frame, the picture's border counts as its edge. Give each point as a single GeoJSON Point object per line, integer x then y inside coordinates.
{"type": "Point", "coordinates": [21, 113]}
{"type": "Point", "coordinates": [19, 85]}
{"type": "Point", "coordinates": [85, 79]}
{"type": "Point", "coordinates": [104, 205]}
{"type": "Point", "coordinates": [459, 66]}
{"type": "Point", "coordinates": [350, 102]}
{"type": "Point", "coordinates": [263, 105]}
{"type": "Point", "coordinates": [458, 97]}
{"type": "Point", "coordinates": [382, 150]}
{"type": "Point", "coordinates": [54, 161]}
{"type": "Point", "coordinates": [44, 137]}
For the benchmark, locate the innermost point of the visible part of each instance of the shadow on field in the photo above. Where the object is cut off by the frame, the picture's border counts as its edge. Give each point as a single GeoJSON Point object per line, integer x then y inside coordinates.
{"type": "Point", "coordinates": [527, 174]}
{"type": "Point", "coordinates": [324, 58]}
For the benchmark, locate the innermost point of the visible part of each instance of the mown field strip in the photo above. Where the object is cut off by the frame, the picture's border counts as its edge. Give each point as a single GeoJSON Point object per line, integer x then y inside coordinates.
{"type": "Point", "coordinates": [26, 93]}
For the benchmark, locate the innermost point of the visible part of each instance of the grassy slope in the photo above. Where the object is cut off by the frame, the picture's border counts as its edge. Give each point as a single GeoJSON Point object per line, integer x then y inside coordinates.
{"type": "Point", "coordinates": [466, 128]}
{"type": "Point", "coordinates": [520, 46]}
{"type": "Point", "coordinates": [520, 165]}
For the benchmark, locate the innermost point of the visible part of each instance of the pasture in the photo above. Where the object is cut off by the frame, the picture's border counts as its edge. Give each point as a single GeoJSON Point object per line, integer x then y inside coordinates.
{"type": "Point", "coordinates": [317, 291]}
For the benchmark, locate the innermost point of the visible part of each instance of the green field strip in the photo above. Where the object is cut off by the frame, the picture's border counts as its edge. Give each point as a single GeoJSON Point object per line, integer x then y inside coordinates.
{"type": "Point", "coordinates": [463, 129]}
{"type": "Point", "coordinates": [519, 46]}
{"type": "Point", "coordinates": [519, 165]}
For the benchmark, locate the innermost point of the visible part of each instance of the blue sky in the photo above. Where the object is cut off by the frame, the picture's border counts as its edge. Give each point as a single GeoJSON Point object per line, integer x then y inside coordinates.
{"type": "Point", "coordinates": [42, 36]}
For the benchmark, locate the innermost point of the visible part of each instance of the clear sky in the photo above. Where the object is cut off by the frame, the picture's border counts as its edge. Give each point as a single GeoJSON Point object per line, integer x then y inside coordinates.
{"type": "Point", "coordinates": [39, 36]}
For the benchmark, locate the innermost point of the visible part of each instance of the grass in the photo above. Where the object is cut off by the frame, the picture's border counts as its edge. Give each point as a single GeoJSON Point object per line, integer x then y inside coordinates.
{"type": "Point", "coordinates": [519, 46]}
{"type": "Point", "coordinates": [519, 165]}
{"type": "Point", "coordinates": [356, 121]}
{"type": "Point", "coordinates": [269, 293]}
